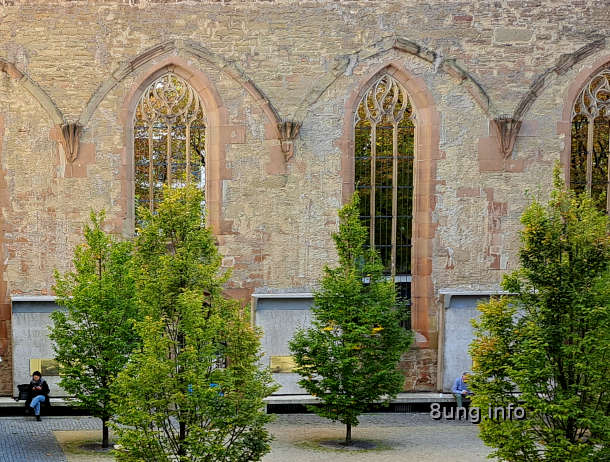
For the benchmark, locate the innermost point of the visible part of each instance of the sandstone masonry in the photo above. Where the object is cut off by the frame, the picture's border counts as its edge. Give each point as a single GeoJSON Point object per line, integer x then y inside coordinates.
{"type": "Point", "coordinates": [257, 64]}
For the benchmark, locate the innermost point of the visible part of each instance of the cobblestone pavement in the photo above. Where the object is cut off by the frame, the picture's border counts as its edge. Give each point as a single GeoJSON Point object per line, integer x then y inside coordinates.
{"type": "Point", "coordinates": [22, 439]}
{"type": "Point", "coordinates": [412, 437]}
{"type": "Point", "coordinates": [406, 438]}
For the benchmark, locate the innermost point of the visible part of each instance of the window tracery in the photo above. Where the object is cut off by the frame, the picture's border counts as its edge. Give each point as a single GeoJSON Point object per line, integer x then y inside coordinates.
{"type": "Point", "coordinates": [589, 163]}
{"type": "Point", "coordinates": [169, 139]}
{"type": "Point", "coordinates": [384, 155]}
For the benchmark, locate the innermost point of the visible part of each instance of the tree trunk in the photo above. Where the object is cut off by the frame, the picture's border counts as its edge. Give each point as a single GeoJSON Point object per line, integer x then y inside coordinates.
{"type": "Point", "coordinates": [104, 434]}
{"type": "Point", "coordinates": [348, 434]}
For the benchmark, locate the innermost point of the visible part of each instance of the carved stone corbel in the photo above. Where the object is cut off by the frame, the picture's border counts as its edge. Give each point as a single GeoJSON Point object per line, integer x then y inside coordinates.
{"type": "Point", "coordinates": [70, 140]}
{"type": "Point", "coordinates": [507, 130]}
{"type": "Point", "coordinates": [288, 131]}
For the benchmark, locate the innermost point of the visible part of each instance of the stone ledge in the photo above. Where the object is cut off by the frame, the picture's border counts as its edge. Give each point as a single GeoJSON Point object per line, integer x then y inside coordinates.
{"type": "Point", "coordinates": [6, 401]}
{"type": "Point", "coordinates": [402, 398]}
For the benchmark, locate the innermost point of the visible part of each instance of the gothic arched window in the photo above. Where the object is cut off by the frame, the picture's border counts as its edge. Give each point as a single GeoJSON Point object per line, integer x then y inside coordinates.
{"type": "Point", "coordinates": [591, 138]}
{"type": "Point", "coordinates": [384, 155]}
{"type": "Point", "coordinates": [169, 139]}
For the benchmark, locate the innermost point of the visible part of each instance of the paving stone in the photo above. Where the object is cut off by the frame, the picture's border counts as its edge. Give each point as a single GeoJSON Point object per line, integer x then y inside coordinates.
{"type": "Point", "coordinates": [23, 439]}
{"type": "Point", "coordinates": [408, 437]}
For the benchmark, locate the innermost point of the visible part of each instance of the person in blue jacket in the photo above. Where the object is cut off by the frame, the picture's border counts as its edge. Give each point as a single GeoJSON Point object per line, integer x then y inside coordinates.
{"type": "Point", "coordinates": [460, 389]}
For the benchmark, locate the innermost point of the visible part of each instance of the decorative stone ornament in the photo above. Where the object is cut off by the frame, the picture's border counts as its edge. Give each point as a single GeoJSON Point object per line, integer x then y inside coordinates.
{"type": "Point", "coordinates": [507, 130]}
{"type": "Point", "coordinates": [590, 115]}
{"type": "Point", "coordinates": [594, 99]}
{"type": "Point", "coordinates": [289, 130]}
{"type": "Point", "coordinates": [70, 140]}
{"type": "Point", "coordinates": [385, 114]}
{"type": "Point", "coordinates": [169, 128]}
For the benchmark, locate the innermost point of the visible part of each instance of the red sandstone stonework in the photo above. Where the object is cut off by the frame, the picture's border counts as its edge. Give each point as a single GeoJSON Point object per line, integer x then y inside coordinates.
{"type": "Point", "coordinates": [5, 304]}
{"type": "Point", "coordinates": [257, 64]}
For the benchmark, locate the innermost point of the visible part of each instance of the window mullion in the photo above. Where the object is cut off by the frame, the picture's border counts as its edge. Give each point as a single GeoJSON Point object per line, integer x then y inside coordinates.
{"type": "Point", "coordinates": [169, 153]}
{"type": "Point", "coordinates": [394, 195]}
{"type": "Point", "coordinates": [188, 151]}
{"type": "Point", "coordinates": [608, 171]}
{"type": "Point", "coordinates": [590, 132]}
{"type": "Point", "coordinates": [373, 175]}
{"type": "Point", "coordinates": [150, 167]}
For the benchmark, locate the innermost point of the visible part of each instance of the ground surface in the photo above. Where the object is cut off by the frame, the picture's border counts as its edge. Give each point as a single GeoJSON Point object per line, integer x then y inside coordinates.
{"type": "Point", "coordinates": [22, 439]}
{"type": "Point", "coordinates": [83, 445]}
{"type": "Point", "coordinates": [407, 437]}
{"type": "Point", "coordinates": [402, 437]}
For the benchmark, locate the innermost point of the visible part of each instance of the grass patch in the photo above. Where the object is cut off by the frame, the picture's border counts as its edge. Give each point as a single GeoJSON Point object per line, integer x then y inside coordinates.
{"type": "Point", "coordinates": [335, 445]}
{"type": "Point", "coordinates": [84, 446]}
{"type": "Point", "coordinates": [87, 447]}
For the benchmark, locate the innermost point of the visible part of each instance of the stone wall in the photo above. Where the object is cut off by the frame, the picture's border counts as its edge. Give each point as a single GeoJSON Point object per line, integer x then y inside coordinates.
{"type": "Point", "coordinates": [259, 63]}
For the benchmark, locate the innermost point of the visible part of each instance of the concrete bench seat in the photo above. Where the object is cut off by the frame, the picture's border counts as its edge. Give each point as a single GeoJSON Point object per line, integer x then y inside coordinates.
{"type": "Point", "coordinates": [7, 401]}
{"type": "Point", "coordinates": [401, 398]}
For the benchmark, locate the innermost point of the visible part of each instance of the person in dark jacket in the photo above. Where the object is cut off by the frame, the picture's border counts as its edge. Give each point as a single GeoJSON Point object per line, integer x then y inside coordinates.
{"type": "Point", "coordinates": [39, 393]}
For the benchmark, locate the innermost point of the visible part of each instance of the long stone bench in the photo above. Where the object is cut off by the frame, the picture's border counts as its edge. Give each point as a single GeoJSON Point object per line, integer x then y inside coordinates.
{"type": "Point", "coordinates": [6, 402]}
{"type": "Point", "coordinates": [401, 398]}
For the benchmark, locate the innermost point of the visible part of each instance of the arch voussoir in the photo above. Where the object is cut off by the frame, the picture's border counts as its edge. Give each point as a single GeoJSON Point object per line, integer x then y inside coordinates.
{"type": "Point", "coordinates": [345, 64]}
{"type": "Point", "coordinates": [178, 49]}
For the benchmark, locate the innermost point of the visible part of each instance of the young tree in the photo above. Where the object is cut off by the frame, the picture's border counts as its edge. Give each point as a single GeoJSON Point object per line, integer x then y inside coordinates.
{"type": "Point", "coordinates": [348, 358]}
{"type": "Point", "coordinates": [93, 338]}
{"type": "Point", "coordinates": [550, 342]}
{"type": "Point", "coordinates": [194, 392]}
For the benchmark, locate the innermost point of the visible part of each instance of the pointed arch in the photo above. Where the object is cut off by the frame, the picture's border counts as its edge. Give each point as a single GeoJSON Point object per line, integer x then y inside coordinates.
{"type": "Point", "coordinates": [565, 126]}
{"type": "Point", "coordinates": [218, 134]}
{"type": "Point", "coordinates": [427, 135]}
{"type": "Point", "coordinates": [345, 65]}
{"type": "Point", "coordinates": [172, 49]}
